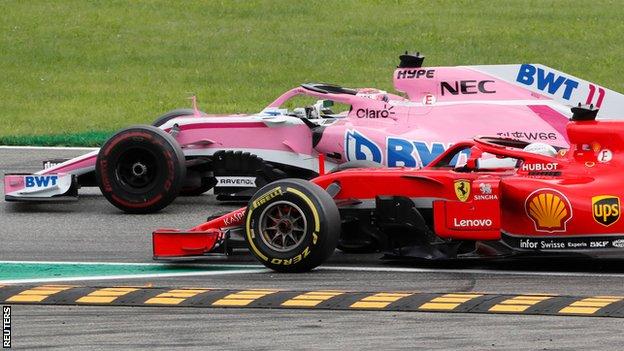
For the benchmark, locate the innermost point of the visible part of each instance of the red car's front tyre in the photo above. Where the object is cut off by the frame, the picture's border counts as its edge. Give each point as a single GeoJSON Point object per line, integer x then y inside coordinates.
{"type": "Point", "coordinates": [292, 225]}
{"type": "Point", "coordinates": [140, 169]}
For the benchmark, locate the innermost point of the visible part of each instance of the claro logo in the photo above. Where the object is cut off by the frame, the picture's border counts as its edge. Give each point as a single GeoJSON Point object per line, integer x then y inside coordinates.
{"type": "Point", "coordinates": [372, 113]}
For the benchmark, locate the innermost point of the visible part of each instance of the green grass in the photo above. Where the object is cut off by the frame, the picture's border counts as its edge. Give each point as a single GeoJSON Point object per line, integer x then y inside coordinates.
{"type": "Point", "coordinates": [83, 66]}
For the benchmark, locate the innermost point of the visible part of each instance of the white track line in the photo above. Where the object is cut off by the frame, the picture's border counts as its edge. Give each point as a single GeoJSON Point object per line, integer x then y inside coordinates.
{"type": "Point", "coordinates": [135, 263]}
{"type": "Point", "coordinates": [131, 276]}
{"type": "Point", "coordinates": [468, 271]}
{"type": "Point", "coordinates": [4, 147]}
{"type": "Point", "coordinates": [261, 268]}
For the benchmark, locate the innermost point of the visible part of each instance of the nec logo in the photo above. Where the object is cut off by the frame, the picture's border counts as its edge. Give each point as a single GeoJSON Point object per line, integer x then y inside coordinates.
{"type": "Point", "coordinates": [40, 181]}
{"type": "Point", "coordinates": [546, 81]}
{"type": "Point", "coordinates": [466, 87]}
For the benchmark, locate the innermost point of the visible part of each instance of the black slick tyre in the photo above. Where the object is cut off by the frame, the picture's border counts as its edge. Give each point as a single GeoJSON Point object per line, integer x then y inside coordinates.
{"type": "Point", "coordinates": [292, 225]}
{"type": "Point", "coordinates": [140, 169]}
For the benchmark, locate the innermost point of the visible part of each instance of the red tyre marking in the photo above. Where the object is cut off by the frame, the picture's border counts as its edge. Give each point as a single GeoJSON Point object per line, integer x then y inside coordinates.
{"type": "Point", "coordinates": [137, 205]}
{"type": "Point", "coordinates": [113, 142]}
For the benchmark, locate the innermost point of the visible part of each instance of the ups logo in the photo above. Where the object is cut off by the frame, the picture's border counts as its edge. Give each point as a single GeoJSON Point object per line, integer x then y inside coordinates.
{"type": "Point", "coordinates": [606, 209]}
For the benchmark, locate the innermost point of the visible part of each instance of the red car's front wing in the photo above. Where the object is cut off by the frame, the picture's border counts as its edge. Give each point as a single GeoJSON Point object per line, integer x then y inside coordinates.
{"type": "Point", "coordinates": [208, 237]}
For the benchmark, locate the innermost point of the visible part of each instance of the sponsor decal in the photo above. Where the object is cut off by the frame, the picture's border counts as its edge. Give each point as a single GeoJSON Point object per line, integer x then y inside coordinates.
{"type": "Point", "coordinates": [592, 93]}
{"type": "Point", "coordinates": [540, 167]}
{"type": "Point", "coordinates": [372, 113]}
{"type": "Point", "coordinates": [429, 99]}
{"type": "Point", "coordinates": [242, 182]}
{"type": "Point", "coordinates": [462, 189]}
{"type": "Point", "coordinates": [606, 209]}
{"type": "Point", "coordinates": [399, 151]}
{"type": "Point", "coordinates": [598, 244]}
{"type": "Point", "coordinates": [548, 82]}
{"type": "Point", "coordinates": [544, 174]}
{"type": "Point", "coordinates": [604, 155]}
{"type": "Point", "coordinates": [618, 243]}
{"type": "Point", "coordinates": [472, 222]}
{"type": "Point", "coordinates": [236, 217]}
{"type": "Point", "coordinates": [266, 197]}
{"type": "Point", "coordinates": [485, 188]}
{"type": "Point", "coordinates": [563, 152]}
{"type": "Point", "coordinates": [466, 87]}
{"type": "Point", "coordinates": [486, 192]}
{"type": "Point", "coordinates": [359, 147]}
{"type": "Point", "coordinates": [415, 73]}
{"type": "Point", "coordinates": [541, 136]}
{"type": "Point", "coordinates": [563, 243]}
{"type": "Point", "coordinates": [549, 210]}
{"type": "Point", "coordinates": [40, 181]}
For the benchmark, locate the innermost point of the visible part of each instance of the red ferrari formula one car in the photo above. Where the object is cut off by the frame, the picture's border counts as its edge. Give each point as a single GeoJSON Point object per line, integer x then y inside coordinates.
{"type": "Point", "coordinates": [502, 200]}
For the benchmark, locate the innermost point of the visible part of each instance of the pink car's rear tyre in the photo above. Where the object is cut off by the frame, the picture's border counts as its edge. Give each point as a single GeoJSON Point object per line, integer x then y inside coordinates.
{"type": "Point", "coordinates": [140, 169]}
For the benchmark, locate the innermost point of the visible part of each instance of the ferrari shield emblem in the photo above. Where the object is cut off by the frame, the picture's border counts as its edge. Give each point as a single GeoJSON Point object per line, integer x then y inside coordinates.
{"type": "Point", "coordinates": [606, 209]}
{"type": "Point", "coordinates": [462, 189]}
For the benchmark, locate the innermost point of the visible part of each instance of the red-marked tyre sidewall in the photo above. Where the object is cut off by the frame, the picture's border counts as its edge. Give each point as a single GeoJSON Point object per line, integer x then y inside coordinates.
{"type": "Point", "coordinates": [322, 229]}
{"type": "Point", "coordinates": [162, 161]}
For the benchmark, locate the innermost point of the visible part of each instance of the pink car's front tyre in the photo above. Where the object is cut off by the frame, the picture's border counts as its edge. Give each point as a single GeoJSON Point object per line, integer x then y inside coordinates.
{"type": "Point", "coordinates": [140, 169]}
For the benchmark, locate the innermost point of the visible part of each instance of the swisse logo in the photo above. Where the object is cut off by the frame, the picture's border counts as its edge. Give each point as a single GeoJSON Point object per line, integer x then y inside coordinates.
{"type": "Point", "coordinates": [540, 167]}
{"type": "Point", "coordinates": [606, 209]}
{"type": "Point", "coordinates": [472, 222]}
{"type": "Point", "coordinates": [618, 243]}
{"type": "Point", "coordinates": [372, 113]}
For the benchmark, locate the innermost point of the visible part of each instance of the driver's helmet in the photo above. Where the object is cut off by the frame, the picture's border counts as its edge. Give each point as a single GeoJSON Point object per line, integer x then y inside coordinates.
{"type": "Point", "coordinates": [541, 149]}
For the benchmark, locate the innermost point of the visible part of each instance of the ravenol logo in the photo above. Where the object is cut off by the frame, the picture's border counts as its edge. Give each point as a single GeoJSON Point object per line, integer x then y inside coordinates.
{"type": "Point", "coordinates": [40, 181]}
{"type": "Point", "coordinates": [548, 82]}
{"type": "Point", "coordinates": [606, 209]}
{"type": "Point", "coordinates": [399, 152]}
{"type": "Point", "coordinates": [549, 210]}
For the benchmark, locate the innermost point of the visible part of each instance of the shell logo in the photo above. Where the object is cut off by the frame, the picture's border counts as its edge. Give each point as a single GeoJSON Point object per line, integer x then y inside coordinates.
{"type": "Point", "coordinates": [549, 210]}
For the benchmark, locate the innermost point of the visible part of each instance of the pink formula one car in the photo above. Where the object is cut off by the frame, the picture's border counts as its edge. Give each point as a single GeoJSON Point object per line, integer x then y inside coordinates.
{"type": "Point", "coordinates": [144, 168]}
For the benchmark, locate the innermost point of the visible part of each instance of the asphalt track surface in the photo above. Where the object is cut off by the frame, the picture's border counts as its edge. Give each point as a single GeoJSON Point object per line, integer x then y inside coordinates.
{"type": "Point", "coordinates": [91, 230]}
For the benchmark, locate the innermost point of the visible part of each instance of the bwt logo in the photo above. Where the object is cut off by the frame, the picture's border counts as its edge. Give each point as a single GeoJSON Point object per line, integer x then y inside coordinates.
{"type": "Point", "coordinates": [40, 181]}
{"type": "Point", "coordinates": [399, 152]}
{"type": "Point", "coordinates": [546, 81]}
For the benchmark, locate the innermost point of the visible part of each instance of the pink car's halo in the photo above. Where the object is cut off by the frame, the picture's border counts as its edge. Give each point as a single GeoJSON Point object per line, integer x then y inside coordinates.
{"type": "Point", "coordinates": [433, 108]}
